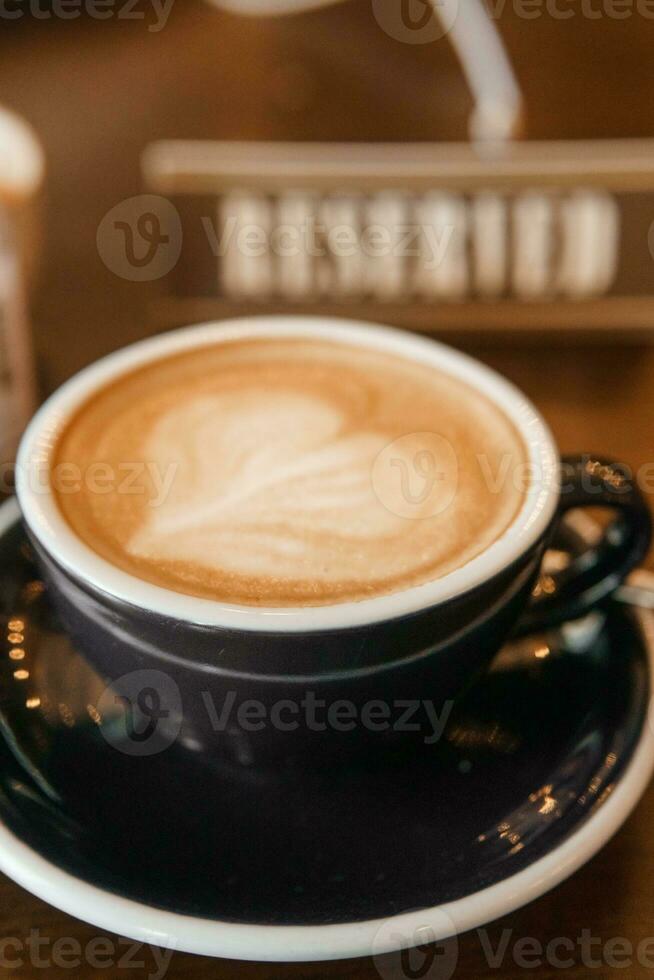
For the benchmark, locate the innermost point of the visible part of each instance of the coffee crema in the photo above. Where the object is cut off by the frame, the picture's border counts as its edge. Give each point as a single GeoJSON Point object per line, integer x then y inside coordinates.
{"type": "Point", "coordinates": [288, 472]}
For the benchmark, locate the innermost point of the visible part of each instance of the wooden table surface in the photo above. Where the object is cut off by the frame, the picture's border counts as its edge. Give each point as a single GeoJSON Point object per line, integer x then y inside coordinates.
{"type": "Point", "coordinates": [97, 92]}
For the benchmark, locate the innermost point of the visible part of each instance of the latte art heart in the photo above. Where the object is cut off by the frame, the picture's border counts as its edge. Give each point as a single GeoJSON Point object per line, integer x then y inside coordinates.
{"type": "Point", "coordinates": [264, 486]}
{"type": "Point", "coordinates": [302, 472]}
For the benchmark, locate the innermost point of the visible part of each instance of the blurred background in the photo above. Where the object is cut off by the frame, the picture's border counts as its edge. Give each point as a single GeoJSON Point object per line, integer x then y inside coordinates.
{"type": "Point", "coordinates": [98, 92]}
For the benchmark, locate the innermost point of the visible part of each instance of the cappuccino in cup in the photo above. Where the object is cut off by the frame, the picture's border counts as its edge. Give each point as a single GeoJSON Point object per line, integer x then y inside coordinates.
{"type": "Point", "coordinates": [287, 471]}
{"type": "Point", "coordinates": [294, 510]}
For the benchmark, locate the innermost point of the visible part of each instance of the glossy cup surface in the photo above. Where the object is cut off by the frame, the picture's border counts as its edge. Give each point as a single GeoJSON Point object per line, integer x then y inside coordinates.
{"type": "Point", "coordinates": [424, 643]}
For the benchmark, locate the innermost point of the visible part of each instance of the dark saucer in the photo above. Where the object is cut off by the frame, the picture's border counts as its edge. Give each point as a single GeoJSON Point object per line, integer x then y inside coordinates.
{"type": "Point", "coordinates": [529, 759]}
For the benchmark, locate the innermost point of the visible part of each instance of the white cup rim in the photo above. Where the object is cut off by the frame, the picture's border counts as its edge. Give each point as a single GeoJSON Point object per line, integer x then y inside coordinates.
{"type": "Point", "coordinates": [46, 522]}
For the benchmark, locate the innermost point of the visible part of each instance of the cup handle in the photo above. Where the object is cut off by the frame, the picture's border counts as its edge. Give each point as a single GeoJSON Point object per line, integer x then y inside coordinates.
{"type": "Point", "coordinates": [591, 481]}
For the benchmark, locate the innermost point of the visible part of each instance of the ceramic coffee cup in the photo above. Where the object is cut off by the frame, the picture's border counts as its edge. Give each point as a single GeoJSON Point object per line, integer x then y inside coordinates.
{"type": "Point", "coordinates": [298, 684]}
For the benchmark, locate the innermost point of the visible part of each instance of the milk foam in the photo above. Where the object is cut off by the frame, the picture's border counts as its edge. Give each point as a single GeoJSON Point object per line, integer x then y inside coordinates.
{"type": "Point", "coordinates": [271, 486]}
{"type": "Point", "coordinates": [296, 473]}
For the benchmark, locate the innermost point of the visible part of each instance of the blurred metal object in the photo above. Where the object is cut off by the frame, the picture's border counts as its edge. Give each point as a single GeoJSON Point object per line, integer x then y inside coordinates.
{"type": "Point", "coordinates": [493, 234]}
{"type": "Point", "coordinates": [638, 590]}
{"type": "Point", "coordinates": [511, 258]}
{"type": "Point", "coordinates": [498, 102]}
